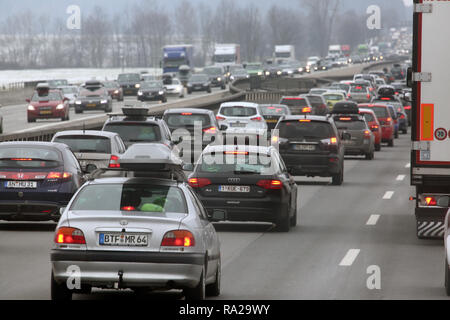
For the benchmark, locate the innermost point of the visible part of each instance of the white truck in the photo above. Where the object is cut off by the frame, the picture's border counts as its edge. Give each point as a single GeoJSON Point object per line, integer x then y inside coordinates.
{"type": "Point", "coordinates": [429, 78]}
{"type": "Point", "coordinates": [334, 51]}
{"type": "Point", "coordinates": [226, 55]}
{"type": "Point", "coordinates": [286, 52]}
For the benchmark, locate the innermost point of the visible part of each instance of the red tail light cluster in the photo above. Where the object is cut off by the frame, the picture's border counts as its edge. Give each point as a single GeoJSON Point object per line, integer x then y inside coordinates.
{"type": "Point", "coordinates": [430, 201]}
{"type": "Point", "coordinates": [306, 110]}
{"type": "Point", "coordinates": [114, 162]}
{"type": "Point", "coordinates": [211, 130]}
{"type": "Point", "coordinates": [367, 134]}
{"type": "Point", "coordinates": [66, 235]}
{"type": "Point", "coordinates": [178, 238]}
{"type": "Point", "coordinates": [256, 119]}
{"type": "Point", "coordinates": [58, 175]}
{"type": "Point", "coordinates": [270, 184]}
{"type": "Point", "coordinates": [199, 182]}
{"type": "Point", "coordinates": [220, 118]}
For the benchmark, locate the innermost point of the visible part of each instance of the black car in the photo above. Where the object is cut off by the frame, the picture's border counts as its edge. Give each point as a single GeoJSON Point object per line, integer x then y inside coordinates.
{"type": "Point", "coordinates": [36, 180]}
{"type": "Point", "coordinates": [246, 183]}
{"type": "Point", "coordinates": [398, 72]}
{"type": "Point", "coordinates": [199, 82]}
{"type": "Point", "coordinates": [130, 83]}
{"type": "Point", "coordinates": [217, 76]}
{"type": "Point", "coordinates": [135, 126]}
{"type": "Point", "coordinates": [93, 96]}
{"type": "Point", "coordinates": [311, 146]}
{"type": "Point", "coordinates": [152, 90]}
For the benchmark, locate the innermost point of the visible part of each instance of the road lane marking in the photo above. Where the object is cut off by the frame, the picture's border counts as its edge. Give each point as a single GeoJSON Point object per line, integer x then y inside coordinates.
{"type": "Point", "coordinates": [388, 195]}
{"type": "Point", "coordinates": [408, 165]}
{"type": "Point", "coordinates": [349, 258]}
{"type": "Point", "coordinates": [401, 177]}
{"type": "Point", "coordinates": [373, 219]}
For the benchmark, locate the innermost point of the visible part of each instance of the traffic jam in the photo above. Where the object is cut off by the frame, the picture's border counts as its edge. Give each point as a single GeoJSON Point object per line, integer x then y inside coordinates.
{"type": "Point", "coordinates": [211, 183]}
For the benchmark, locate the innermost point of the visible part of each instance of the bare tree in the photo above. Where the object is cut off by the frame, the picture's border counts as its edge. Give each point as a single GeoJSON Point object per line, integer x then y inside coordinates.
{"type": "Point", "coordinates": [186, 21]}
{"type": "Point", "coordinates": [95, 34]}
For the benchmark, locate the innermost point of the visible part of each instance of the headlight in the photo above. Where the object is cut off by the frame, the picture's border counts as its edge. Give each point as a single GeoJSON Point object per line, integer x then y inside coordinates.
{"type": "Point", "coordinates": [260, 73]}
{"type": "Point", "coordinates": [104, 101]}
{"type": "Point", "coordinates": [137, 85]}
{"type": "Point", "coordinates": [267, 73]}
{"type": "Point", "coordinates": [161, 92]}
{"type": "Point", "coordinates": [247, 76]}
{"type": "Point", "coordinates": [116, 92]}
{"type": "Point", "coordinates": [290, 72]}
{"type": "Point", "coordinates": [60, 107]}
{"type": "Point", "coordinates": [279, 72]}
{"type": "Point", "coordinates": [31, 108]}
{"type": "Point", "coordinates": [219, 79]}
{"type": "Point", "coordinates": [300, 69]}
{"type": "Point", "coordinates": [232, 78]}
{"type": "Point", "coordinates": [189, 85]}
{"type": "Point", "coordinates": [139, 93]}
{"type": "Point", "coordinates": [78, 102]}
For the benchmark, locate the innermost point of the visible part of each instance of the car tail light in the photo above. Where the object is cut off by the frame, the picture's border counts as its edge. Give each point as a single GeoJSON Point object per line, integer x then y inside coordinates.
{"type": "Point", "coordinates": [368, 96]}
{"type": "Point", "coordinates": [402, 116]}
{"type": "Point", "coordinates": [220, 118]}
{"type": "Point", "coordinates": [178, 238]}
{"type": "Point", "coordinates": [256, 119]}
{"type": "Point", "coordinates": [66, 235]}
{"type": "Point", "coordinates": [345, 119]}
{"type": "Point", "coordinates": [114, 162]}
{"type": "Point", "coordinates": [211, 130]}
{"type": "Point", "coordinates": [375, 127]}
{"type": "Point", "coordinates": [306, 110]}
{"type": "Point", "coordinates": [386, 99]}
{"type": "Point", "coordinates": [430, 201]}
{"type": "Point", "coordinates": [128, 208]}
{"type": "Point", "coordinates": [58, 175]}
{"type": "Point", "coordinates": [408, 108]}
{"type": "Point", "coordinates": [199, 182]}
{"type": "Point", "coordinates": [349, 96]}
{"type": "Point", "coordinates": [388, 121]}
{"type": "Point", "coordinates": [333, 140]}
{"type": "Point", "coordinates": [270, 184]}
{"type": "Point", "coordinates": [367, 134]}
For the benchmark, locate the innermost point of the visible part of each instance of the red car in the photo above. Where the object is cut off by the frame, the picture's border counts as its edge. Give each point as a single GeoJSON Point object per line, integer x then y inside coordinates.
{"type": "Point", "coordinates": [47, 104]}
{"type": "Point", "coordinates": [385, 119]}
{"type": "Point", "coordinates": [374, 125]}
{"type": "Point", "coordinates": [114, 90]}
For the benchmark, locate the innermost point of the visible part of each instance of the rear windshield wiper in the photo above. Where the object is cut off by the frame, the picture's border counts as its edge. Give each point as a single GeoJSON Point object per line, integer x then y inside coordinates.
{"type": "Point", "coordinates": [245, 172]}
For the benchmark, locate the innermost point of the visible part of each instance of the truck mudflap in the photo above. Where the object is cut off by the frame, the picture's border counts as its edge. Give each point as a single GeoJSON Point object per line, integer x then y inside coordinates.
{"type": "Point", "coordinates": [430, 222]}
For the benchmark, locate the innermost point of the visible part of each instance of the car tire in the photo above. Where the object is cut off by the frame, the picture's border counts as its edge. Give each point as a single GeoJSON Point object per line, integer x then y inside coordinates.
{"type": "Point", "coordinates": [391, 143]}
{"type": "Point", "coordinates": [209, 90]}
{"type": "Point", "coordinates": [283, 223]}
{"type": "Point", "coordinates": [78, 111]}
{"type": "Point", "coordinates": [164, 100]}
{"type": "Point", "coordinates": [223, 87]}
{"type": "Point", "coordinates": [405, 131]}
{"type": "Point", "coordinates": [213, 289]}
{"type": "Point", "coordinates": [338, 179]}
{"type": "Point", "coordinates": [189, 92]}
{"type": "Point", "coordinates": [396, 135]}
{"type": "Point", "coordinates": [447, 277]}
{"type": "Point", "coordinates": [370, 156]}
{"type": "Point", "coordinates": [199, 291]}
{"type": "Point", "coordinates": [59, 291]}
{"type": "Point", "coordinates": [378, 147]}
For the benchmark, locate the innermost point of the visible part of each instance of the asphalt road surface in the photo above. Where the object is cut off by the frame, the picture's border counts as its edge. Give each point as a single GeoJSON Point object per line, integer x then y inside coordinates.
{"type": "Point", "coordinates": [343, 232]}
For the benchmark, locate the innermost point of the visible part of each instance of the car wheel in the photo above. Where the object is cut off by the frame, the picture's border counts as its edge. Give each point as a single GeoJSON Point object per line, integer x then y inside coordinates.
{"type": "Point", "coordinates": [405, 131]}
{"type": "Point", "coordinates": [338, 179]}
{"type": "Point", "coordinates": [391, 143]}
{"type": "Point", "coordinates": [447, 278]}
{"type": "Point", "coordinates": [396, 135]}
{"type": "Point", "coordinates": [31, 120]}
{"type": "Point", "coordinates": [283, 223]}
{"type": "Point", "coordinates": [370, 156]}
{"type": "Point", "coordinates": [209, 90]}
{"type": "Point", "coordinates": [78, 110]}
{"type": "Point", "coordinates": [213, 289]}
{"type": "Point", "coordinates": [223, 87]}
{"type": "Point", "coordinates": [59, 291]}
{"type": "Point", "coordinates": [378, 147]}
{"type": "Point", "coordinates": [197, 293]}
{"type": "Point", "coordinates": [164, 100]}
{"type": "Point", "coordinates": [189, 92]}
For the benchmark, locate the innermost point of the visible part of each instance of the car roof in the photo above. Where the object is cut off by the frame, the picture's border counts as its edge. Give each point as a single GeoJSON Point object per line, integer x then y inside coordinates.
{"type": "Point", "coordinates": [123, 118]}
{"type": "Point", "coordinates": [249, 148]}
{"type": "Point", "coordinates": [366, 110]}
{"type": "Point", "coordinates": [192, 110]}
{"type": "Point", "coordinates": [307, 117]}
{"type": "Point", "coordinates": [106, 134]}
{"type": "Point", "coordinates": [34, 144]}
{"type": "Point", "coordinates": [140, 180]}
{"type": "Point", "coordinates": [239, 104]}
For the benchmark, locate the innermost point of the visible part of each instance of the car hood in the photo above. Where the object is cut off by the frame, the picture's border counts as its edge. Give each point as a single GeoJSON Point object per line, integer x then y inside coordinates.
{"type": "Point", "coordinates": [45, 103]}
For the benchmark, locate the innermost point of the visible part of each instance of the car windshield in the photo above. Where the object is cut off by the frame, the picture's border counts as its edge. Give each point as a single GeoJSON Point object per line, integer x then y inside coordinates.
{"type": "Point", "coordinates": [86, 143]}
{"type": "Point", "coordinates": [135, 132]}
{"type": "Point", "coordinates": [187, 119]}
{"type": "Point", "coordinates": [131, 77]}
{"type": "Point", "coordinates": [317, 91]}
{"type": "Point", "coordinates": [254, 67]}
{"type": "Point", "coordinates": [110, 85]}
{"type": "Point", "coordinates": [298, 130]}
{"type": "Point", "coordinates": [239, 72]}
{"type": "Point", "coordinates": [69, 90]}
{"type": "Point", "coordinates": [350, 125]}
{"type": "Point", "coordinates": [236, 163]}
{"type": "Point", "coordinates": [92, 94]}
{"type": "Point", "coordinates": [369, 117]}
{"type": "Point", "coordinates": [333, 97]}
{"type": "Point", "coordinates": [238, 111]}
{"type": "Point", "coordinates": [46, 96]}
{"type": "Point", "coordinates": [130, 197]}
{"type": "Point", "coordinates": [274, 110]}
{"type": "Point", "coordinates": [151, 85]}
{"type": "Point", "coordinates": [57, 83]}
{"type": "Point", "coordinates": [199, 78]}
{"type": "Point", "coordinates": [29, 157]}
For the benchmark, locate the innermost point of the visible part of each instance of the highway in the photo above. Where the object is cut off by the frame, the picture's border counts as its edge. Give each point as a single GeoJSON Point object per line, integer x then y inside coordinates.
{"type": "Point", "coordinates": [343, 231]}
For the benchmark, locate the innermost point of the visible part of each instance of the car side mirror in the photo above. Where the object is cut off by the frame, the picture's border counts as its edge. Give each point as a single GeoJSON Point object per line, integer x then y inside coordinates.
{"type": "Point", "coordinates": [444, 202]}
{"type": "Point", "coordinates": [61, 210]}
{"type": "Point", "coordinates": [346, 136]}
{"type": "Point", "coordinates": [188, 167]}
{"type": "Point", "coordinates": [217, 215]}
{"type": "Point", "coordinates": [90, 168]}
{"type": "Point", "coordinates": [223, 127]}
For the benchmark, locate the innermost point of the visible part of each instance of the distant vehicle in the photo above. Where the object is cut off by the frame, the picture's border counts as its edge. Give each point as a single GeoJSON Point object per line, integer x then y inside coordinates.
{"type": "Point", "coordinates": [93, 149]}
{"type": "Point", "coordinates": [240, 115]}
{"type": "Point", "coordinates": [199, 82]}
{"type": "Point", "coordinates": [312, 62]}
{"type": "Point", "coordinates": [373, 124]}
{"type": "Point", "coordinates": [151, 91]}
{"type": "Point", "coordinates": [184, 73]}
{"type": "Point", "coordinates": [318, 102]}
{"type": "Point", "coordinates": [175, 56]}
{"type": "Point", "coordinates": [217, 76]}
{"type": "Point", "coordinates": [71, 93]}
{"type": "Point", "coordinates": [55, 83]}
{"type": "Point", "coordinates": [238, 74]}
{"type": "Point", "coordinates": [285, 52]}
{"type": "Point", "coordinates": [93, 97]}
{"type": "Point", "coordinates": [226, 55]}
{"type": "Point", "coordinates": [38, 178]}
{"type": "Point", "coordinates": [255, 69]}
{"type": "Point", "coordinates": [273, 112]}
{"type": "Point", "coordinates": [47, 103]}
{"type": "Point", "coordinates": [360, 94]}
{"type": "Point", "coordinates": [318, 90]}
{"type": "Point", "coordinates": [333, 97]}
{"type": "Point", "coordinates": [130, 83]}
{"type": "Point", "coordinates": [398, 72]}
{"type": "Point", "coordinates": [253, 176]}
{"type": "Point", "coordinates": [385, 118]}
{"type": "Point", "coordinates": [114, 90]}
{"type": "Point", "coordinates": [334, 51]}
{"type": "Point", "coordinates": [298, 105]}
{"type": "Point", "coordinates": [175, 88]}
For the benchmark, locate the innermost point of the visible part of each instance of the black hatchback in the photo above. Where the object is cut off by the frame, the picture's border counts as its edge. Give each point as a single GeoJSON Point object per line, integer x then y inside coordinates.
{"type": "Point", "coordinates": [311, 146]}
{"type": "Point", "coordinates": [246, 183]}
{"type": "Point", "coordinates": [36, 180]}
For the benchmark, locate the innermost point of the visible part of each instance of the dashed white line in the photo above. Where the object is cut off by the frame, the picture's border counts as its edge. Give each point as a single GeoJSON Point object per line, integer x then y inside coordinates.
{"type": "Point", "coordinates": [373, 219]}
{"type": "Point", "coordinates": [401, 177]}
{"type": "Point", "coordinates": [388, 195]}
{"type": "Point", "coordinates": [349, 258]}
{"type": "Point", "coordinates": [408, 165]}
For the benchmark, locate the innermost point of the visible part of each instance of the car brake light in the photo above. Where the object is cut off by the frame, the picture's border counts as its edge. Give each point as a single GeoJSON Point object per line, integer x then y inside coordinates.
{"type": "Point", "coordinates": [59, 175]}
{"type": "Point", "coordinates": [186, 114]}
{"type": "Point", "coordinates": [210, 130]}
{"type": "Point", "coordinates": [385, 99]}
{"type": "Point", "coordinates": [367, 134]}
{"type": "Point", "coordinates": [345, 119]}
{"type": "Point", "coordinates": [220, 118]}
{"type": "Point", "coordinates": [374, 127]}
{"type": "Point", "coordinates": [21, 159]}
{"type": "Point", "coordinates": [66, 235]}
{"type": "Point", "coordinates": [306, 110]}
{"type": "Point", "coordinates": [114, 162]}
{"type": "Point", "coordinates": [199, 182]}
{"type": "Point", "coordinates": [430, 201]}
{"type": "Point", "coordinates": [256, 119]}
{"type": "Point", "coordinates": [178, 238]}
{"type": "Point", "coordinates": [270, 184]}
{"type": "Point", "coordinates": [368, 96]}
{"type": "Point", "coordinates": [245, 153]}
{"type": "Point", "coordinates": [304, 120]}
{"type": "Point", "coordinates": [408, 108]}
{"type": "Point", "coordinates": [333, 140]}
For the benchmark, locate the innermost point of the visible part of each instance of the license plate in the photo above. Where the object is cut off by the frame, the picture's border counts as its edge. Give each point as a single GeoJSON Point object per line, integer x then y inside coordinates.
{"type": "Point", "coordinates": [91, 105]}
{"type": "Point", "coordinates": [272, 121]}
{"type": "Point", "coordinates": [349, 142]}
{"type": "Point", "coordinates": [123, 239]}
{"type": "Point", "coordinates": [304, 147]}
{"type": "Point", "coordinates": [21, 184]}
{"type": "Point", "coordinates": [128, 91]}
{"type": "Point", "coordinates": [238, 125]}
{"type": "Point", "coordinates": [234, 189]}
{"type": "Point", "coordinates": [46, 112]}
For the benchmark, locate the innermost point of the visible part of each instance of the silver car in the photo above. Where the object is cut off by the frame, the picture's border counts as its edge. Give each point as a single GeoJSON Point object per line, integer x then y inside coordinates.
{"type": "Point", "coordinates": [241, 115]}
{"type": "Point", "coordinates": [146, 231]}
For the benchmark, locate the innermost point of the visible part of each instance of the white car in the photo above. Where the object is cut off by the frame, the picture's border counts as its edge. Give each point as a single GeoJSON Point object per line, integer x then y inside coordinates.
{"type": "Point", "coordinates": [241, 115]}
{"type": "Point", "coordinates": [176, 88]}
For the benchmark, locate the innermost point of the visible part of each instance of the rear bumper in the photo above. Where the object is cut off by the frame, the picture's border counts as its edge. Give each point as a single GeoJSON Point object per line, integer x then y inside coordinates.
{"type": "Point", "coordinates": [155, 269]}
{"type": "Point", "coordinates": [314, 165]}
{"type": "Point", "coordinates": [30, 210]}
{"type": "Point", "coordinates": [358, 149]}
{"type": "Point", "coordinates": [387, 133]}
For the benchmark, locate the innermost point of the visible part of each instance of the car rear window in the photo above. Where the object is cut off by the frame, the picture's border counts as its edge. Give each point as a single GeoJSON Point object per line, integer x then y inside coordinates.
{"type": "Point", "coordinates": [135, 132]}
{"type": "Point", "coordinates": [130, 197]}
{"type": "Point", "coordinates": [315, 101]}
{"type": "Point", "coordinates": [238, 111]}
{"type": "Point", "coordinates": [333, 97]}
{"type": "Point", "coordinates": [29, 157]}
{"type": "Point", "coordinates": [236, 164]}
{"type": "Point", "coordinates": [273, 110]}
{"type": "Point", "coordinates": [187, 119]}
{"type": "Point", "coordinates": [369, 117]}
{"type": "Point", "coordinates": [305, 130]}
{"type": "Point", "coordinates": [350, 125]}
{"type": "Point", "coordinates": [358, 89]}
{"type": "Point", "coordinates": [381, 112]}
{"type": "Point", "coordinates": [86, 143]}
{"type": "Point", "coordinates": [295, 104]}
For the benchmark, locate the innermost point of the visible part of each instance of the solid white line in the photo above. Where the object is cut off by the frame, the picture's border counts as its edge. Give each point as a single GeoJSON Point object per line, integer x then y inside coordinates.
{"type": "Point", "coordinates": [401, 177]}
{"type": "Point", "coordinates": [373, 219]}
{"type": "Point", "coordinates": [349, 258]}
{"type": "Point", "coordinates": [408, 165]}
{"type": "Point", "coordinates": [388, 195]}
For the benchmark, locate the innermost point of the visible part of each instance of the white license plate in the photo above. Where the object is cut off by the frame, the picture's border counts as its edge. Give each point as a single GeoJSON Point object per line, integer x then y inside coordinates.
{"type": "Point", "coordinates": [123, 239]}
{"type": "Point", "coordinates": [238, 125]}
{"type": "Point", "coordinates": [234, 189]}
{"type": "Point", "coordinates": [304, 147]}
{"type": "Point", "coordinates": [21, 184]}
{"type": "Point", "coordinates": [349, 142]}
